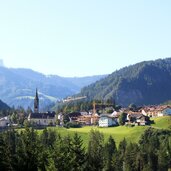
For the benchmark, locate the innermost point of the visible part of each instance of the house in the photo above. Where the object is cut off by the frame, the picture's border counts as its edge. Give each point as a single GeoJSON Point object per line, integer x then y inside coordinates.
{"type": "Point", "coordinates": [73, 116]}
{"type": "Point", "coordinates": [41, 119]}
{"type": "Point", "coordinates": [155, 111]}
{"type": "Point", "coordinates": [91, 119]}
{"type": "Point", "coordinates": [4, 122]}
{"type": "Point", "coordinates": [165, 111]}
{"type": "Point", "coordinates": [107, 120]}
{"type": "Point", "coordinates": [150, 111]}
{"type": "Point", "coordinates": [137, 119]}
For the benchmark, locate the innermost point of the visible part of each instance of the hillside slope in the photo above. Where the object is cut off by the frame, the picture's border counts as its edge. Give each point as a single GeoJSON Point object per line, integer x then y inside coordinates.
{"type": "Point", "coordinates": [144, 83]}
{"type": "Point", "coordinates": [3, 106]}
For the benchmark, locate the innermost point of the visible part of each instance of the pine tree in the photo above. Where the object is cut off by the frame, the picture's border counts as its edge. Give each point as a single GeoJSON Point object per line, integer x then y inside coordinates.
{"type": "Point", "coordinates": [121, 154]}
{"type": "Point", "coordinates": [62, 155]}
{"type": "Point", "coordinates": [5, 155]}
{"type": "Point", "coordinates": [96, 151]}
{"type": "Point", "coordinates": [79, 156]}
{"type": "Point", "coordinates": [130, 157]}
{"type": "Point", "coordinates": [28, 150]}
{"type": "Point", "coordinates": [110, 150]}
{"type": "Point", "coordinates": [163, 156]}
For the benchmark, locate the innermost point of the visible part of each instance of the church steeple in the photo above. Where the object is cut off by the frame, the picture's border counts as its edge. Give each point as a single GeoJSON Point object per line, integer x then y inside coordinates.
{"type": "Point", "coordinates": [36, 103]}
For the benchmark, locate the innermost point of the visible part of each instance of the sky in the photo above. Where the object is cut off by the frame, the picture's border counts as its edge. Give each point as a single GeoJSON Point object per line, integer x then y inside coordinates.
{"type": "Point", "coordinates": [83, 37]}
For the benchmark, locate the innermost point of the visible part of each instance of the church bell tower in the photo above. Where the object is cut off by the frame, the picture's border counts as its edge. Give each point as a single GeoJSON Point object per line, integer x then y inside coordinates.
{"type": "Point", "coordinates": [36, 103]}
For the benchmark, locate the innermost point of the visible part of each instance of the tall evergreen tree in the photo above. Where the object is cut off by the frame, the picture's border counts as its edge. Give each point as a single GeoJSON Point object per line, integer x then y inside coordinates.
{"type": "Point", "coordinates": [96, 151]}
{"type": "Point", "coordinates": [110, 150]}
{"type": "Point", "coordinates": [28, 150]}
{"type": "Point", "coordinates": [79, 156]}
{"type": "Point", "coordinates": [5, 155]}
{"type": "Point", "coordinates": [63, 157]}
{"type": "Point", "coordinates": [131, 154]}
{"type": "Point", "coordinates": [121, 154]}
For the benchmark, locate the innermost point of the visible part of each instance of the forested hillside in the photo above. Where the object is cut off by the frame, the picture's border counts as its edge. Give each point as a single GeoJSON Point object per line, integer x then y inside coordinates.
{"type": "Point", "coordinates": [147, 83]}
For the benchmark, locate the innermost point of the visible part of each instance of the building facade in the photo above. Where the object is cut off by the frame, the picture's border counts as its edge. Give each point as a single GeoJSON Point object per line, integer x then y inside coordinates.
{"type": "Point", "coordinates": [41, 119]}
{"type": "Point", "coordinates": [107, 120]}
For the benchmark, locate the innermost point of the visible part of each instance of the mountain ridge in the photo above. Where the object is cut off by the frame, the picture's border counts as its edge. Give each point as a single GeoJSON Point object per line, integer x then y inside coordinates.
{"type": "Point", "coordinates": [143, 83]}
{"type": "Point", "coordinates": [18, 86]}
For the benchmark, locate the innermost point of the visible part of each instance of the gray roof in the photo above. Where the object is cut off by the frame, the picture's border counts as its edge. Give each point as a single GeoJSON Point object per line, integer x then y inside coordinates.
{"type": "Point", "coordinates": [48, 115]}
{"type": "Point", "coordinates": [107, 115]}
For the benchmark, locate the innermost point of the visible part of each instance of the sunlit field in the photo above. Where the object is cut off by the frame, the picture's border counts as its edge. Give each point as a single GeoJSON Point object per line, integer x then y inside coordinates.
{"type": "Point", "coordinates": [131, 134]}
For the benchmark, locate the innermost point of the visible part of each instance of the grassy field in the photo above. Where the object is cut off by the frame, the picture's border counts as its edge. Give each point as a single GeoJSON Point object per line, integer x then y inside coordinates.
{"type": "Point", "coordinates": [162, 122]}
{"type": "Point", "coordinates": [132, 134]}
{"type": "Point", "coordinates": [118, 133]}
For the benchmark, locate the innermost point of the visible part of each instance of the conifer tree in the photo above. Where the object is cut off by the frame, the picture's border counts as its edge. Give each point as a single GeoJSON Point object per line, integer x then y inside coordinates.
{"type": "Point", "coordinates": [79, 156]}
{"type": "Point", "coordinates": [62, 154]}
{"type": "Point", "coordinates": [96, 151]}
{"type": "Point", "coordinates": [110, 150]}
{"type": "Point", "coordinates": [5, 155]}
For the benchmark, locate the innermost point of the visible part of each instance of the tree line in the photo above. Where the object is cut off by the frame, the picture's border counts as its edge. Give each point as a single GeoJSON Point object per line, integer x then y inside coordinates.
{"type": "Point", "coordinates": [28, 150]}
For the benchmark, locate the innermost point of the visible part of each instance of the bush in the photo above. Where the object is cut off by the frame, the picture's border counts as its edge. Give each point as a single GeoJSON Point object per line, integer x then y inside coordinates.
{"type": "Point", "coordinates": [72, 125]}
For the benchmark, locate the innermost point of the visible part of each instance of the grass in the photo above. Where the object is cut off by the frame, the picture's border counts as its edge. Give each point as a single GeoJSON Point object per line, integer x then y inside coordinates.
{"type": "Point", "coordinates": [162, 122]}
{"type": "Point", "coordinates": [131, 134]}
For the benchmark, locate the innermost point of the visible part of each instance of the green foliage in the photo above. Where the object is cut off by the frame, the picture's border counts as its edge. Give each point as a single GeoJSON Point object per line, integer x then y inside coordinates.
{"type": "Point", "coordinates": [86, 105]}
{"type": "Point", "coordinates": [110, 151]}
{"type": "Point", "coordinates": [27, 150]}
{"type": "Point", "coordinates": [72, 125]}
{"type": "Point", "coordinates": [122, 118]}
{"type": "Point", "coordinates": [96, 151]}
{"type": "Point", "coordinates": [142, 83]}
{"type": "Point", "coordinates": [154, 147]}
{"type": "Point", "coordinates": [79, 155]}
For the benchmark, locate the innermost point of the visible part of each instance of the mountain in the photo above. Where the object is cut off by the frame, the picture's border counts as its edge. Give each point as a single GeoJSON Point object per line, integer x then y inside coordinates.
{"type": "Point", "coordinates": [82, 81]}
{"type": "Point", "coordinates": [3, 106]}
{"type": "Point", "coordinates": [18, 86]}
{"type": "Point", "coordinates": [144, 83]}
{"type": "Point", "coordinates": [1, 63]}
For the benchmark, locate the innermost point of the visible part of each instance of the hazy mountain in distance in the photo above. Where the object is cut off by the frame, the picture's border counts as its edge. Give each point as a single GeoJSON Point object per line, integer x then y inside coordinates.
{"type": "Point", "coordinates": [18, 87]}
{"type": "Point", "coordinates": [1, 63]}
{"type": "Point", "coordinates": [82, 81]}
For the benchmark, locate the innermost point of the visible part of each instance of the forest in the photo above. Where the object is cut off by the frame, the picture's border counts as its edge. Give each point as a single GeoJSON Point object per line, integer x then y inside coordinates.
{"type": "Point", "coordinates": [30, 150]}
{"type": "Point", "coordinates": [144, 83]}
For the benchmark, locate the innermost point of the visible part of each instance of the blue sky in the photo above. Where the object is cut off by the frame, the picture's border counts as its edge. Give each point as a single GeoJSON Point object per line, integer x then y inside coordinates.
{"type": "Point", "coordinates": [79, 38]}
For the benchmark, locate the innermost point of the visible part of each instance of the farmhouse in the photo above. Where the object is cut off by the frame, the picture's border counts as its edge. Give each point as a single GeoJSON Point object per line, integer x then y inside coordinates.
{"type": "Point", "coordinates": [107, 120]}
{"type": "Point", "coordinates": [137, 119]}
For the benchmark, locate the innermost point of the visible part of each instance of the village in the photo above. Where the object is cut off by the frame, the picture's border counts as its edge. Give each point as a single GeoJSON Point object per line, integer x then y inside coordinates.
{"type": "Point", "coordinates": [141, 117]}
{"type": "Point", "coordinates": [131, 116]}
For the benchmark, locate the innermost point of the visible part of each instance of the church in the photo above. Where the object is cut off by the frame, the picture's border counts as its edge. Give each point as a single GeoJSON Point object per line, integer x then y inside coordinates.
{"type": "Point", "coordinates": [41, 119]}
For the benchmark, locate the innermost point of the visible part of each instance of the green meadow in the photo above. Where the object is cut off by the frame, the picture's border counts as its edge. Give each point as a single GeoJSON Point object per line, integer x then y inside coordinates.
{"type": "Point", "coordinates": [131, 134]}
{"type": "Point", "coordinates": [162, 122]}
